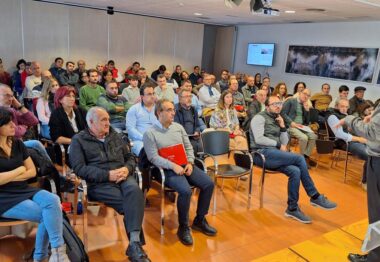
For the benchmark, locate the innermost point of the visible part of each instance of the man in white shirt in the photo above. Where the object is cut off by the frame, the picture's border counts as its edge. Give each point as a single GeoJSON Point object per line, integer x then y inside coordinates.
{"type": "Point", "coordinates": [163, 90]}
{"type": "Point", "coordinates": [30, 82]}
{"type": "Point", "coordinates": [208, 95]}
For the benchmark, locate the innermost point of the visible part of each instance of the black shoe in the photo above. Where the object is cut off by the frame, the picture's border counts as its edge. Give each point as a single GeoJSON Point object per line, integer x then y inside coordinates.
{"type": "Point", "coordinates": [357, 258]}
{"type": "Point", "coordinates": [184, 235]}
{"type": "Point", "coordinates": [203, 226]}
{"type": "Point", "coordinates": [312, 163]}
{"type": "Point", "coordinates": [136, 253]}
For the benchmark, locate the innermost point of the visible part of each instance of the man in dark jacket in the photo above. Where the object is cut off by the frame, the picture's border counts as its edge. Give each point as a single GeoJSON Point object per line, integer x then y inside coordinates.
{"type": "Point", "coordinates": [297, 116]}
{"type": "Point", "coordinates": [187, 116]}
{"type": "Point", "coordinates": [104, 161]}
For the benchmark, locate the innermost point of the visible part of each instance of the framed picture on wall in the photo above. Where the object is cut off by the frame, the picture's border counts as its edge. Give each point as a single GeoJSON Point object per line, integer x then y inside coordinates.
{"type": "Point", "coordinates": [347, 63]}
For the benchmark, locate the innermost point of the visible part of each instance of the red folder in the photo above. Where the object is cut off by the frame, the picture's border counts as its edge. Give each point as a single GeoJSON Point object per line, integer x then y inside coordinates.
{"type": "Point", "coordinates": [175, 153]}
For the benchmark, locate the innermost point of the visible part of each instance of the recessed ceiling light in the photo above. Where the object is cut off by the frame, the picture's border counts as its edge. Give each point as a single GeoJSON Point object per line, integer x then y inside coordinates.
{"type": "Point", "coordinates": [198, 14]}
{"type": "Point", "coordinates": [290, 11]}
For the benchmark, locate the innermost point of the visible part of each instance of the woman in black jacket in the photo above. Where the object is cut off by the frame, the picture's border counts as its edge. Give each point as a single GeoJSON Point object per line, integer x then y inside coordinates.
{"type": "Point", "coordinates": [67, 119]}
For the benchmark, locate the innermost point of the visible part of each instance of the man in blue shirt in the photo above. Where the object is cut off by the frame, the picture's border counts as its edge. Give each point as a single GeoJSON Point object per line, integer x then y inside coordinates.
{"type": "Point", "coordinates": [140, 117]}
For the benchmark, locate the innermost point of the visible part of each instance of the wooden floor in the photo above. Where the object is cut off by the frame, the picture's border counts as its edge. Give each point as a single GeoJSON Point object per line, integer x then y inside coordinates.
{"type": "Point", "coordinates": [242, 234]}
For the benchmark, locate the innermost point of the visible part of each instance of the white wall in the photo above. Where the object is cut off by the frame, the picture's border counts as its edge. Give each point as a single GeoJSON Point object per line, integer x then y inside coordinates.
{"type": "Point", "coordinates": [347, 34]}
{"type": "Point", "coordinates": [42, 31]}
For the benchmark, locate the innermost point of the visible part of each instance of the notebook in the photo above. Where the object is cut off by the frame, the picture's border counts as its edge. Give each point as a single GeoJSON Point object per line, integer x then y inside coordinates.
{"type": "Point", "coordinates": [175, 153]}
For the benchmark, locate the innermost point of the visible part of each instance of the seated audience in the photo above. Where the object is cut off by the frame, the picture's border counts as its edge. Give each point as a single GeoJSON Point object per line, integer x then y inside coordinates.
{"type": "Point", "coordinates": [163, 134]}
{"type": "Point", "coordinates": [163, 90]}
{"type": "Point", "coordinates": [66, 119]}
{"type": "Point", "coordinates": [357, 100]}
{"type": "Point", "coordinates": [208, 96]}
{"type": "Point", "coordinates": [266, 83]}
{"type": "Point", "coordinates": [257, 83]}
{"type": "Point", "coordinates": [356, 144]}
{"type": "Point", "coordinates": [132, 71]}
{"type": "Point", "coordinates": [281, 91]}
{"type": "Point", "coordinates": [187, 116]}
{"type": "Point", "coordinates": [298, 88]}
{"type": "Point", "coordinates": [100, 69]}
{"type": "Point", "coordinates": [19, 77]}
{"type": "Point", "coordinates": [45, 105]}
{"type": "Point", "coordinates": [31, 82]}
{"type": "Point", "coordinates": [81, 67]}
{"type": "Point", "coordinates": [170, 81]}
{"type": "Point", "coordinates": [257, 106]}
{"type": "Point", "coordinates": [56, 69]}
{"type": "Point", "coordinates": [249, 90]}
{"type": "Point", "coordinates": [239, 103]}
{"type": "Point", "coordinates": [144, 78]}
{"type": "Point", "coordinates": [296, 114]}
{"type": "Point", "coordinates": [69, 77]}
{"type": "Point", "coordinates": [343, 94]}
{"type": "Point", "coordinates": [186, 85]}
{"type": "Point", "coordinates": [83, 80]}
{"type": "Point", "coordinates": [5, 77]}
{"type": "Point", "coordinates": [106, 78]}
{"type": "Point", "coordinates": [132, 92]}
{"type": "Point", "coordinates": [185, 76]}
{"type": "Point", "coordinates": [223, 83]}
{"type": "Point", "coordinates": [365, 109]}
{"type": "Point", "coordinates": [322, 100]}
{"type": "Point", "coordinates": [18, 200]}
{"type": "Point", "coordinates": [116, 106]}
{"type": "Point", "coordinates": [140, 117]}
{"type": "Point", "coordinates": [225, 117]}
{"type": "Point", "coordinates": [177, 74]}
{"type": "Point", "coordinates": [115, 72]}
{"type": "Point", "coordinates": [104, 161]}
{"type": "Point", "coordinates": [269, 137]}
{"type": "Point", "coordinates": [195, 76]}
{"type": "Point", "coordinates": [89, 94]}
{"type": "Point", "coordinates": [160, 71]}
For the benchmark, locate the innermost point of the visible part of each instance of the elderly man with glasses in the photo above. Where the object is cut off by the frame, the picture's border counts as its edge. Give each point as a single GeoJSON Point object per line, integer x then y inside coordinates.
{"type": "Point", "coordinates": [296, 114]}
{"type": "Point", "coordinates": [269, 137]}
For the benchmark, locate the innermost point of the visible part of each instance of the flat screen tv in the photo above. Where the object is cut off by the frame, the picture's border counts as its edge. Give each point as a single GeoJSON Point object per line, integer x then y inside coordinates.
{"type": "Point", "coordinates": [260, 54]}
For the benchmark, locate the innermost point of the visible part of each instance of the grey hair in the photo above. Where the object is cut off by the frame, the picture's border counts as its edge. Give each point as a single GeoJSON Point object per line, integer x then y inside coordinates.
{"type": "Point", "coordinates": [337, 101]}
{"type": "Point", "coordinates": [92, 114]}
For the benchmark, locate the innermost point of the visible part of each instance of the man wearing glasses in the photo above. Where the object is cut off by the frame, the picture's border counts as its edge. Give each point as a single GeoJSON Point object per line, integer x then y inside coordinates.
{"type": "Point", "coordinates": [297, 116]}
{"type": "Point", "coordinates": [269, 137]}
{"type": "Point", "coordinates": [166, 135]}
{"type": "Point", "coordinates": [140, 117]}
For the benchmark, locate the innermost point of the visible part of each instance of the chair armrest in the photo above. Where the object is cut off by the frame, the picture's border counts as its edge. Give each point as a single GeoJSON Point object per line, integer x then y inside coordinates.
{"type": "Point", "coordinates": [204, 155]}
{"type": "Point", "coordinates": [202, 164]}
{"type": "Point", "coordinates": [139, 177]}
{"type": "Point", "coordinates": [261, 156]}
{"type": "Point", "coordinates": [245, 152]}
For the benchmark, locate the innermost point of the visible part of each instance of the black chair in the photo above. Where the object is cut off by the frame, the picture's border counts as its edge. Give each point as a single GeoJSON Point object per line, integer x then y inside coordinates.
{"type": "Point", "coordinates": [313, 115]}
{"type": "Point", "coordinates": [216, 143]}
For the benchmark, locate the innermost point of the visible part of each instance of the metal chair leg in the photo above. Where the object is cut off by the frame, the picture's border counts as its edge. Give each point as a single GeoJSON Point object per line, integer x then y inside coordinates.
{"type": "Point", "coordinates": [215, 193]}
{"type": "Point", "coordinates": [262, 180]}
{"type": "Point", "coordinates": [162, 208]}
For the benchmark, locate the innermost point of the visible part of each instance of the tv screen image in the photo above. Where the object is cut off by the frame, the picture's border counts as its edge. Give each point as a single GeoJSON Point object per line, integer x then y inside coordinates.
{"type": "Point", "coordinates": [260, 54]}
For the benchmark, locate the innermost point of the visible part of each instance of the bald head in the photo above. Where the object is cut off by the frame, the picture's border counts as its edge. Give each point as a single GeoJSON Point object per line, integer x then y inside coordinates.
{"type": "Point", "coordinates": [36, 68]}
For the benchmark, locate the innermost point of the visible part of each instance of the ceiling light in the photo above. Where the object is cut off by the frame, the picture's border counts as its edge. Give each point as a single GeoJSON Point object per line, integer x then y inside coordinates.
{"type": "Point", "coordinates": [198, 14]}
{"type": "Point", "coordinates": [290, 11]}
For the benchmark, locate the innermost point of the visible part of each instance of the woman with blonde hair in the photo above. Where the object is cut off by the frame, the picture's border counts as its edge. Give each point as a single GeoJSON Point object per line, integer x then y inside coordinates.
{"type": "Point", "coordinates": [45, 105]}
{"type": "Point", "coordinates": [225, 117]}
{"type": "Point", "coordinates": [281, 91]}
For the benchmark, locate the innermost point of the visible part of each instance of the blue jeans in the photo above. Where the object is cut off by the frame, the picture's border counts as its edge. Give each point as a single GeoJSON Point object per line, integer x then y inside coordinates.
{"type": "Point", "coordinates": [181, 184]}
{"type": "Point", "coordinates": [45, 131]}
{"type": "Point", "coordinates": [119, 126]}
{"type": "Point", "coordinates": [44, 208]}
{"type": "Point", "coordinates": [359, 150]}
{"type": "Point", "coordinates": [37, 145]}
{"type": "Point", "coordinates": [292, 165]}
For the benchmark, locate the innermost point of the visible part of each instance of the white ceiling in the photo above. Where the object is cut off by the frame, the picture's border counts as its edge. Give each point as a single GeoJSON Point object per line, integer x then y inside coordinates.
{"type": "Point", "coordinates": [215, 11]}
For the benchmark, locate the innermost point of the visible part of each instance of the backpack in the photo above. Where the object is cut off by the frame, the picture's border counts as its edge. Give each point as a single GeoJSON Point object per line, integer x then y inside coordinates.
{"type": "Point", "coordinates": [74, 245]}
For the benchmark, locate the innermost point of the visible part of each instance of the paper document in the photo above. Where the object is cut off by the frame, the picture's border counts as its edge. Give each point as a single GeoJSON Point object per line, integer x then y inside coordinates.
{"type": "Point", "coordinates": [305, 128]}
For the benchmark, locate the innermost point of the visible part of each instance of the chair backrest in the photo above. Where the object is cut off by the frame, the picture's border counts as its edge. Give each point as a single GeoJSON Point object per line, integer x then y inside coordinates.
{"type": "Point", "coordinates": [324, 146]}
{"type": "Point", "coordinates": [242, 160]}
{"type": "Point", "coordinates": [216, 142]}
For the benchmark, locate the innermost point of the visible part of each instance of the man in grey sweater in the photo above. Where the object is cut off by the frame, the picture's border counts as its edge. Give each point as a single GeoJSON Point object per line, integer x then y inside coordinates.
{"type": "Point", "coordinates": [269, 137]}
{"type": "Point", "coordinates": [166, 133]}
{"type": "Point", "coordinates": [369, 128]}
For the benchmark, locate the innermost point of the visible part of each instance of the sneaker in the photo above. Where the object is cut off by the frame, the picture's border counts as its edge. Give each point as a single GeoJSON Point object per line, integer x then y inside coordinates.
{"type": "Point", "coordinates": [323, 203]}
{"type": "Point", "coordinates": [298, 215]}
{"type": "Point", "coordinates": [357, 258]}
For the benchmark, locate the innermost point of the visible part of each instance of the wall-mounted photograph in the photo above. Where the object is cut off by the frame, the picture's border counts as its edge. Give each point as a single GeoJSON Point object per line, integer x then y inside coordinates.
{"type": "Point", "coordinates": [348, 63]}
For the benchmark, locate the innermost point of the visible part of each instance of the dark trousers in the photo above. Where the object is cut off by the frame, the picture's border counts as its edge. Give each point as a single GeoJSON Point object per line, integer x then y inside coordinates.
{"type": "Point", "coordinates": [292, 165]}
{"type": "Point", "coordinates": [126, 198]}
{"type": "Point", "coordinates": [197, 145]}
{"type": "Point", "coordinates": [359, 150]}
{"type": "Point", "coordinates": [182, 184]}
{"type": "Point", "coordinates": [373, 193]}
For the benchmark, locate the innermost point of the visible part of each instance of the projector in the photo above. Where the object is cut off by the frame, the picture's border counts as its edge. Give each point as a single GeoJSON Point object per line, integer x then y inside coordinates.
{"type": "Point", "coordinates": [267, 12]}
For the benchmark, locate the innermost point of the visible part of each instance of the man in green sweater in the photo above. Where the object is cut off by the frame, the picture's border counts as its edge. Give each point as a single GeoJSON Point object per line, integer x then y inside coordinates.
{"type": "Point", "coordinates": [116, 106]}
{"type": "Point", "coordinates": [89, 94]}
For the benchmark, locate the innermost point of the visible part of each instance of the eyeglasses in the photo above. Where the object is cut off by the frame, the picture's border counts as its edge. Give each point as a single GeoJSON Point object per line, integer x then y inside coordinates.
{"type": "Point", "coordinates": [277, 104]}
{"type": "Point", "coordinates": [169, 110]}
